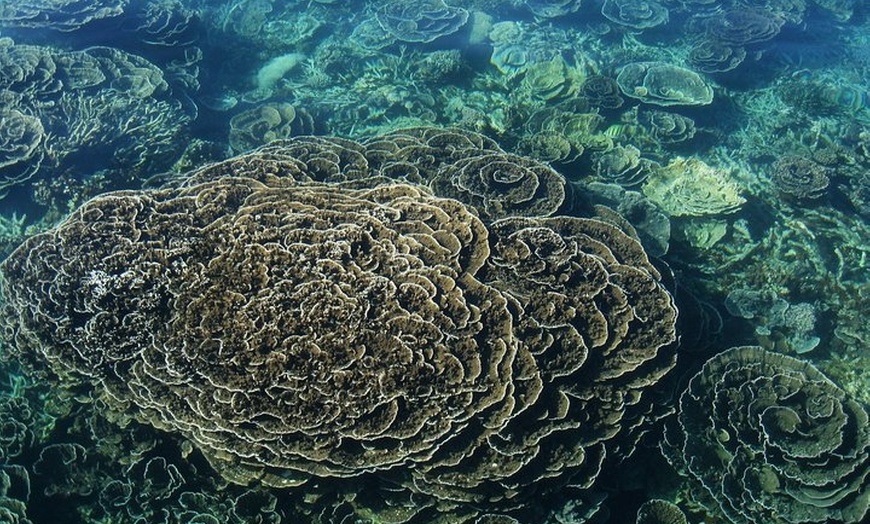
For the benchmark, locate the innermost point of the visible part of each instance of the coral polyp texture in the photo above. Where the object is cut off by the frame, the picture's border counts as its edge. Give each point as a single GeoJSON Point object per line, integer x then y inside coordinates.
{"type": "Point", "coordinates": [297, 329]}
{"type": "Point", "coordinates": [771, 439]}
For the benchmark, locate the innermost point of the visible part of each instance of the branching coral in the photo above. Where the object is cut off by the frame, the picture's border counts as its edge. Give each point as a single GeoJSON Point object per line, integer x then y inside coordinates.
{"type": "Point", "coordinates": [773, 440]}
{"type": "Point", "coordinates": [297, 329]}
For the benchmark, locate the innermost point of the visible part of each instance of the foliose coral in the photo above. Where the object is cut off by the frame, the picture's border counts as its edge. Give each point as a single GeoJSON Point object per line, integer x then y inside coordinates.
{"type": "Point", "coordinates": [799, 177]}
{"type": "Point", "coordinates": [742, 26]}
{"type": "Point", "coordinates": [709, 56]}
{"type": "Point", "coordinates": [622, 165]}
{"type": "Point", "coordinates": [691, 187]}
{"type": "Point", "coordinates": [636, 14]}
{"type": "Point", "coordinates": [419, 21]}
{"type": "Point", "coordinates": [95, 100]}
{"type": "Point", "coordinates": [552, 8]}
{"type": "Point", "coordinates": [771, 439]}
{"type": "Point", "coordinates": [63, 15]}
{"type": "Point", "coordinates": [668, 128]}
{"type": "Point", "coordinates": [14, 492]}
{"type": "Point", "coordinates": [294, 329]}
{"type": "Point", "coordinates": [601, 91]}
{"type": "Point", "coordinates": [21, 138]}
{"type": "Point", "coordinates": [551, 79]}
{"type": "Point", "coordinates": [262, 124]}
{"type": "Point", "coordinates": [663, 84]}
{"type": "Point", "coordinates": [471, 168]}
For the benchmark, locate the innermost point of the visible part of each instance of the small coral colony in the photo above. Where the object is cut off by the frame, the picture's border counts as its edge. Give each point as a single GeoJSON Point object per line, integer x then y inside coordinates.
{"type": "Point", "coordinates": [393, 261]}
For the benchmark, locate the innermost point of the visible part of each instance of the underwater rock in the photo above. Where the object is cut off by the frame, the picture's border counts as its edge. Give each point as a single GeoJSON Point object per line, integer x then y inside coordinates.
{"type": "Point", "coordinates": [690, 187]}
{"type": "Point", "coordinates": [299, 330]}
{"type": "Point", "coordinates": [663, 84]}
{"type": "Point", "coordinates": [772, 440]}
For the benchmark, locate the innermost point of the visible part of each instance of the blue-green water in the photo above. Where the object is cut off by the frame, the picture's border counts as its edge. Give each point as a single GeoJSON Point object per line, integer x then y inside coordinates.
{"type": "Point", "coordinates": [501, 287]}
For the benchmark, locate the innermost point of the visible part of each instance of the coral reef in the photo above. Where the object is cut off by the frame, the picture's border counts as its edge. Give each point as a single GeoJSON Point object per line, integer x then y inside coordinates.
{"type": "Point", "coordinates": [272, 121]}
{"type": "Point", "coordinates": [520, 345]}
{"type": "Point", "coordinates": [778, 324]}
{"type": "Point", "coordinates": [715, 57]}
{"type": "Point", "coordinates": [92, 101]}
{"type": "Point", "coordinates": [690, 187]}
{"type": "Point", "coordinates": [663, 84]}
{"type": "Point", "coordinates": [636, 14]}
{"type": "Point", "coordinates": [752, 206]}
{"type": "Point", "coordinates": [63, 15]}
{"type": "Point", "coordinates": [771, 439]}
{"type": "Point", "coordinates": [668, 128]}
{"type": "Point", "coordinates": [419, 21]}
{"type": "Point", "coordinates": [659, 511]}
{"type": "Point", "coordinates": [799, 177]}
{"type": "Point", "coordinates": [552, 8]}
{"type": "Point", "coordinates": [21, 154]}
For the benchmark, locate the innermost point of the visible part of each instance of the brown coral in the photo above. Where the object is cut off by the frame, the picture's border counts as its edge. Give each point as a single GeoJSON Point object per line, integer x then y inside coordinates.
{"type": "Point", "coordinates": [21, 138]}
{"type": "Point", "coordinates": [293, 328]}
{"type": "Point", "coordinates": [800, 178]}
{"type": "Point", "coordinates": [771, 439]}
{"type": "Point", "coordinates": [272, 121]}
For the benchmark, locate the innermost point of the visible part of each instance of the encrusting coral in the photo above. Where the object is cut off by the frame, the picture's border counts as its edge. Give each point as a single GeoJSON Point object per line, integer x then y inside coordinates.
{"type": "Point", "coordinates": [296, 328]}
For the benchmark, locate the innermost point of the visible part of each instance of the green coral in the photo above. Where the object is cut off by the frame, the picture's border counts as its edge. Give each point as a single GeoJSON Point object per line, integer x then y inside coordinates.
{"type": "Point", "coordinates": [690, 187]}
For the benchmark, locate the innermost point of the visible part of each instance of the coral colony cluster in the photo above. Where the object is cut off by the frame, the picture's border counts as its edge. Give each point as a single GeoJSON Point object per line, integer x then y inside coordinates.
{"type": "Point", "coordinates": [440, 261]}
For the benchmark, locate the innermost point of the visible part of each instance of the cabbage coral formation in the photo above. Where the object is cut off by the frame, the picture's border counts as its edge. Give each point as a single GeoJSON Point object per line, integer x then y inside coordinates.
{"type": "Point", "coordinates": [771, 439]}
{"type": "Point", "coordinates": [295, 328]}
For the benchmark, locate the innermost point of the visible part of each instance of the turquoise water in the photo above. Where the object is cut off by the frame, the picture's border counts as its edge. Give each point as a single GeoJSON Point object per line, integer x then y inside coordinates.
{"type": "Point", "coordinates": [547, 261]}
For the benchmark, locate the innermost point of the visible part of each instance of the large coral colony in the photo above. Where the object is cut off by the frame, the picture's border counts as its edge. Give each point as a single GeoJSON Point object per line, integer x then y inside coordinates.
{"type": "Point", "coordinates": [490, 262]}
